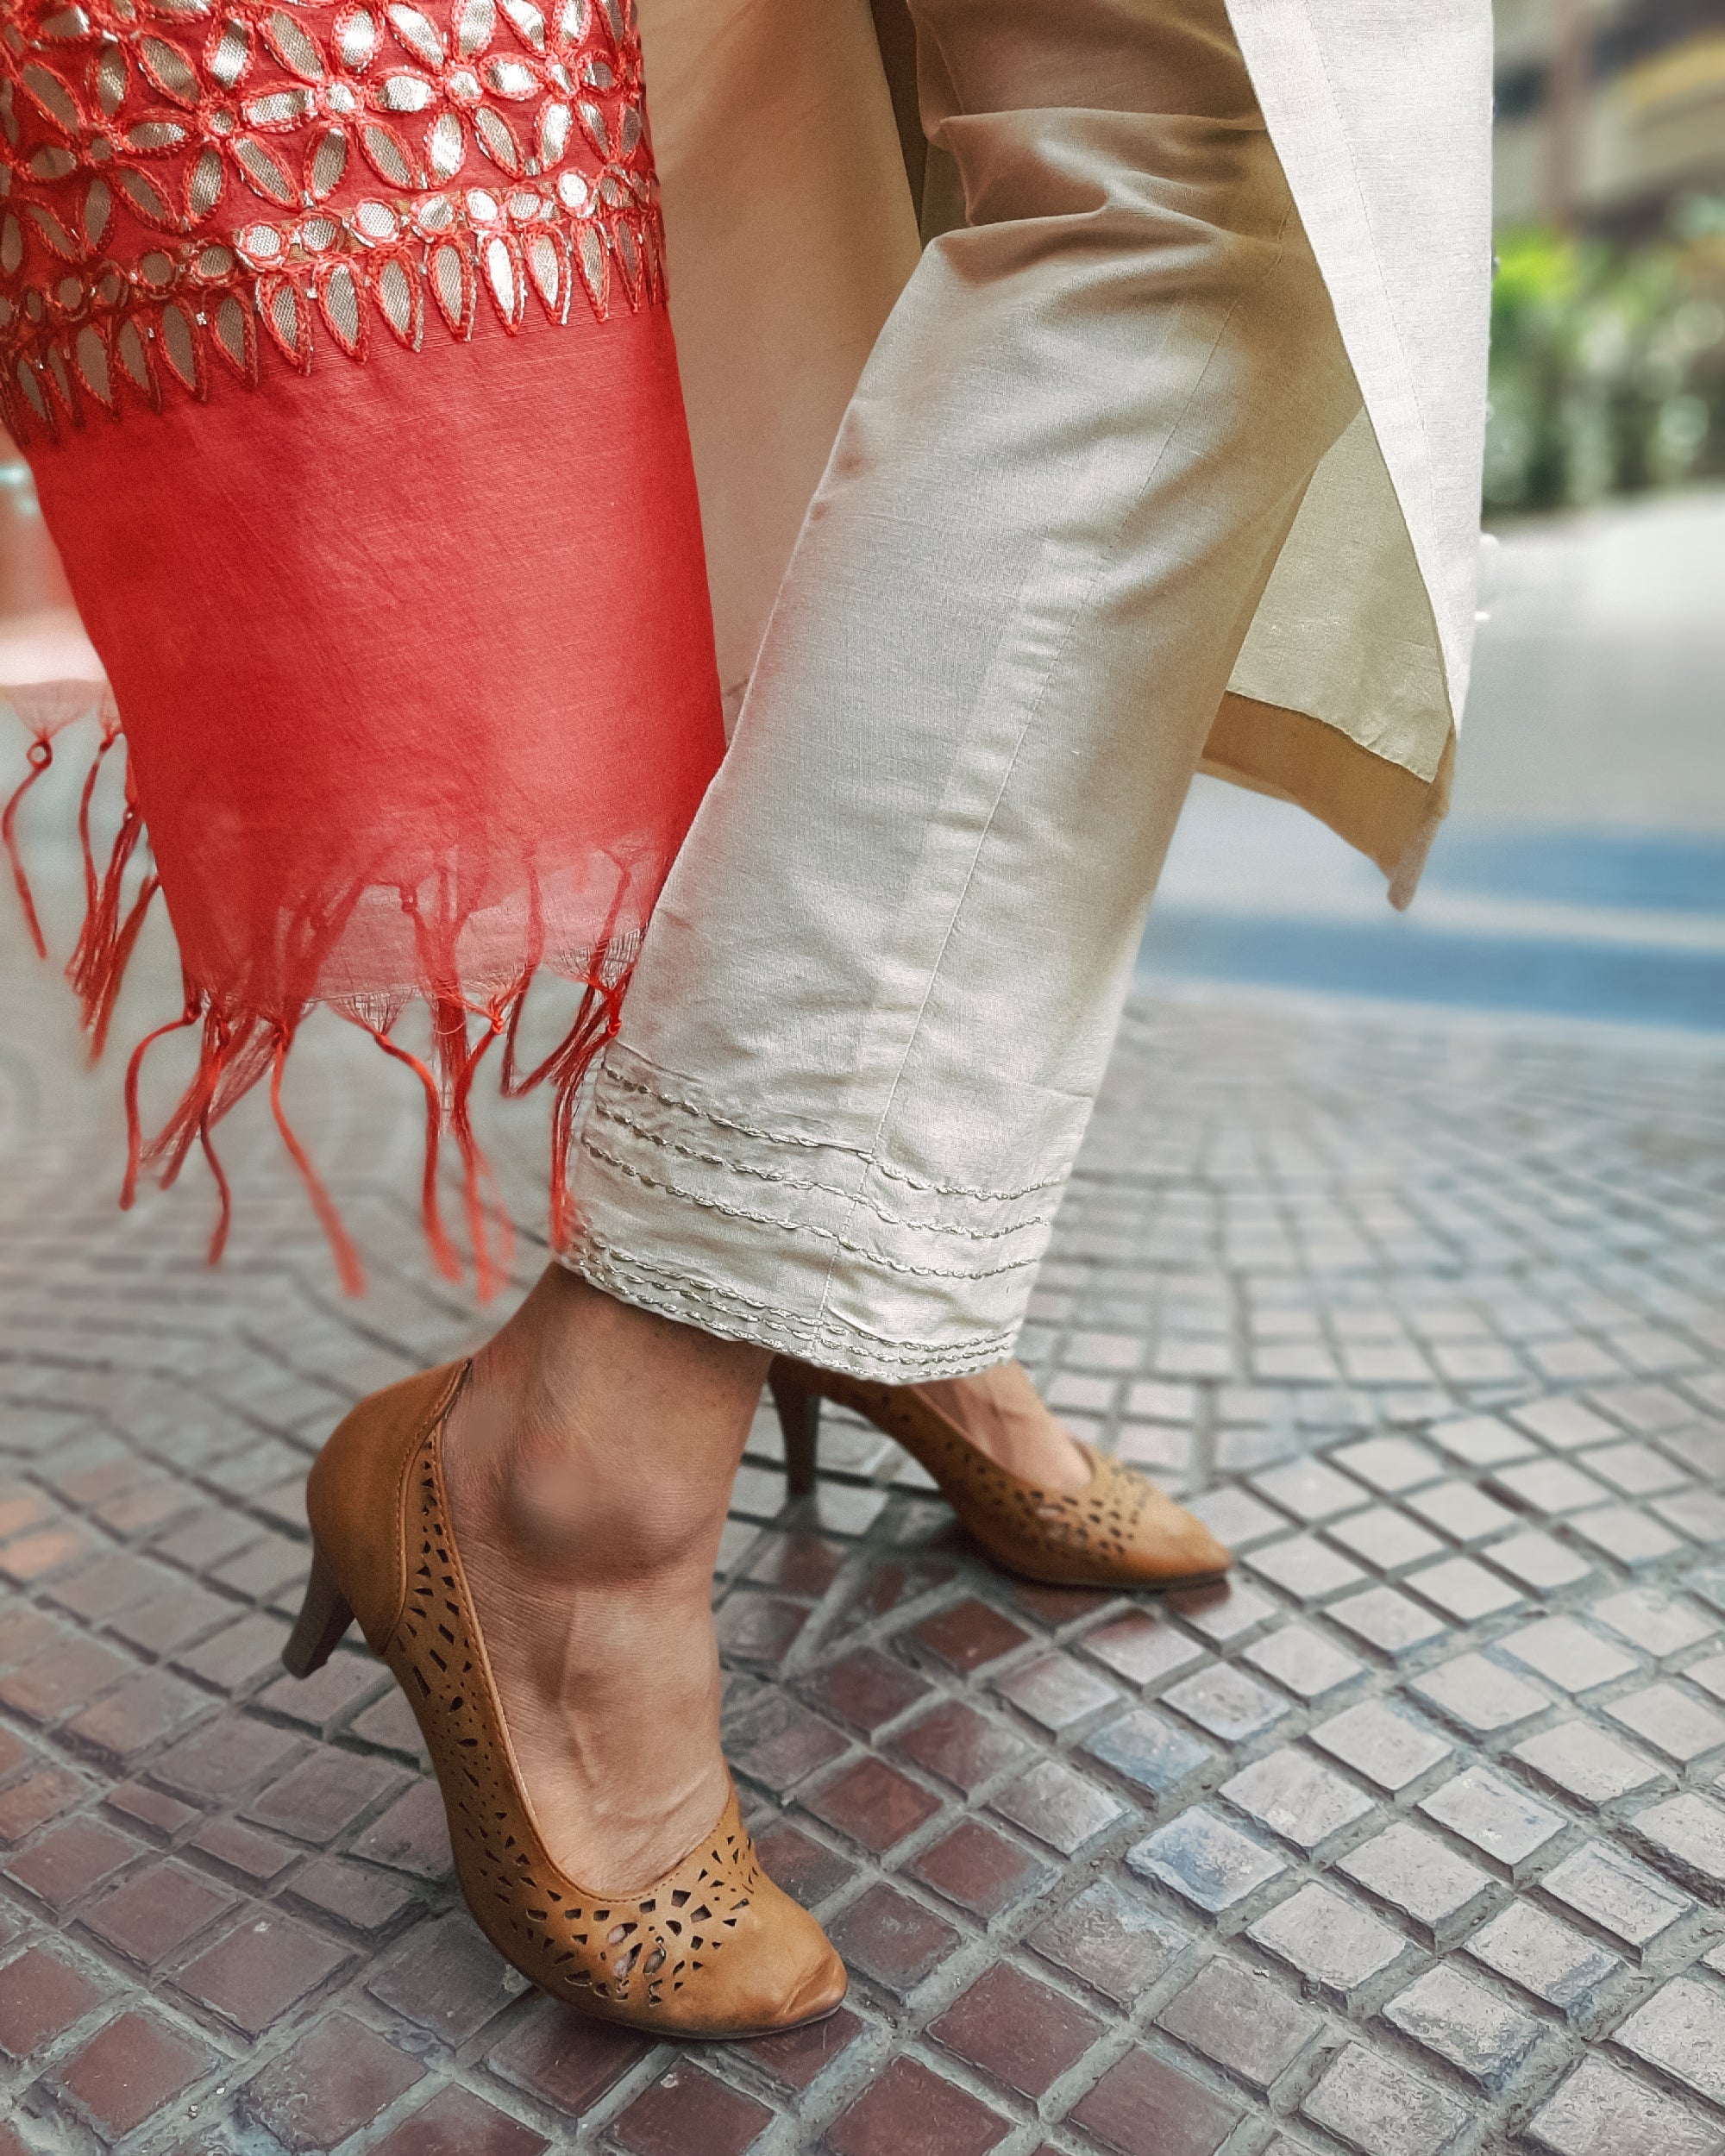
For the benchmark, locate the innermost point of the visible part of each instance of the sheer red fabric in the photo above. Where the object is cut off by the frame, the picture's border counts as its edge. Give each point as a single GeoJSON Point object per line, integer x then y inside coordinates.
{"type": "Point", "coordinates": [335, 338]}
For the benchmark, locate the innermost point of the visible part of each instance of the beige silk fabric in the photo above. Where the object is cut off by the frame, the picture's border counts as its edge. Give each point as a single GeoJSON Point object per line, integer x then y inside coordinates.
{"type": "Point", "coordinates": [879, 991]}
{"type": "Point", "coordinates": [791, 230]}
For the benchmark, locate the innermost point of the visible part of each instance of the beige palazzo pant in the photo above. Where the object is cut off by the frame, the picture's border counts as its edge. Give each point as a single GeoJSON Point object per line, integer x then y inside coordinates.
{"type": "Point", "coordinates": [874, 1005]}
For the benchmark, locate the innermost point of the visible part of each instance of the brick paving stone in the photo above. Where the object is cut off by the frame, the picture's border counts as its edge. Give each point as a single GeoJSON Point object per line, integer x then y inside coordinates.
{"type": "Point", "coordinates": [799, 2057]}
{"type": "Point", "coordinates": [241, 1849]}
{"type": "Point", "coordinates": [41, 1995]}
{"type": "Point", "coordinates": [960, 1745]}
{"type": "Point", "coordinates": [978, 1870]}
{"type": "Point", "coordinates": [1499, 1819]}
{"type": "Point", "coordinates": [1296, 1797]}
{"type": "Point", "coordinates": [1227, 1702]}
{"type": "Point", "coordinates": [1390, 1621]}
{"type": "Point", "coordinates": [1302, 1660]}
{"type": "Point", "coordinates": [1224, 1613]}
{"type": "Point", "coordinates": [1375, 2105]}
{"type": "Point", "coordinates": [1415, 1874]}
{"type": "Point", "coordinates": [37, 1797]}
{"type": "Point", "coordinates": [1465, 2024]}
{"type": "Point", "coordinates": [1016, 2031]}
{"type": "Point", "coordinates": [259, 1969]}
{"type": "Point", "coordinates": [1587, 1763]}
{"type": "Point", "coordinates": [454, 2122]}
{"type": "Point", "coordinates": [363, 1900]}
{"type": "Point", "coordinates": [447, 1978]}
{"type": "Point", "coordinates": [156, 1912]}
{"type": "Point", "coordinates": [1384, 1538]}
{"type": "Point", "coordinates": [1201, 1857]}
{"type": "Point", "coordinates": [411, 1836]}
{"type": "Point", "coordinates": [1480, 1695]}
{"type": "Point", "coordinates": [1672, 1720]}
{"type": "Point", "coordinates": [1550, 1486]}
{"type": "Point", "coordinates": [1057, 1806]}
{"type": "Point", "coordinates": [137, 1714]}
{"type": "Point", "coordinates": [1689, 1832]}
{"type": "Point", "coordinates": [806, 1869]}
{"type": "Point", "coordinates": [1566, 1654]}
{"type": "Point", "coordinates": [1390, 1464]}
{"type": "Point", "coordinates": [567, 2059]}
{"type": "Point", "coordinates": [1602, 2111]}
{"type": "Point", "coordinates": [1622, 1897]}
{"type": "Point", "coordinates": [50, 1685]}
{"type": "Point", "coordinates": [868, 1689]}
{"type": "Point", "coordinates": [1236, 1517]}
{"type": "Point", "coordinates": [907, 2111]}
{"type": "Point", "coordinates": [323, 1701]}
{"type": "Point", "coordinates": [1335, 1945]}
{"type": "Point", "coordinates": [1682, 2029]}
{"type": "Point", "coordinates": [1627, 1534]}
{"type": "Point", "coordinates": [1538, 1561]}
{"type": "Point", "coordinates": [1390, 1749]}
{"type": "Point", "coordinates": [1144, 2107]}
{"type": "Point", "coordinates": [873, 1804]}
{"type": "Point", "coordinates": [689, 2112]}
{"type": "Point", "coordinates": [335, 2080]}
{"type": "Point", "coordinates": [1461, 1511]}
{"type": "Point", "coordinates": [1146, 1749]}
{"type": "Point", "coordinates": [1546, 1957]}
{"type": "Point", "coordinates": [1056, 1691]}
{"type": "Point", "coordinates": [885, 1935]}
{"type": "Point", "coordinates": [1481, 1440]}
{"type": "Point", "coordinates": [1111, 1939]}
{"type": "Point", "coordinates": [970, 1635]}
{"type": "Point", "coordinates": [1141, 1648]}
{"type": "Point", "coordinates": [1463, 1589]}
{"type": "Point", "coordinates": [62, 1866]}
{"type": "Point", "coordinates": [223, 1760]}
{"type": "Point", "coordinates": [1240, 2021]}
{"type": "Point", "coordinates": [315, 1801]}
{"type": "Point", "coordinates": [130, 2069]}
{"type": "Point", "coordinates": [774, 1739]}
{"type": "Point", "coordinates": [1304, 1568]}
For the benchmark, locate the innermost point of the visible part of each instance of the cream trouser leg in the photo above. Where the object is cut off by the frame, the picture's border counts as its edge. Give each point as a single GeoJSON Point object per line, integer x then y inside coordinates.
{"type": "Point", "coordinates": [877, 998]}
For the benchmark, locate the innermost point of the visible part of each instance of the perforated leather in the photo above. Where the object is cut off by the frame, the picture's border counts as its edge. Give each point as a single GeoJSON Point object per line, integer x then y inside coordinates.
{"type": "Point", "coordinates": [713, 1948]}
{"type": "Point", "coordinates": [1118, 1530]}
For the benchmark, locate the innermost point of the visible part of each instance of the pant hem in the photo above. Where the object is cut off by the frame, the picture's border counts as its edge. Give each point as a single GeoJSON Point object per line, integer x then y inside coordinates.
{"type": "Point", "coordinates": [828, 1342]}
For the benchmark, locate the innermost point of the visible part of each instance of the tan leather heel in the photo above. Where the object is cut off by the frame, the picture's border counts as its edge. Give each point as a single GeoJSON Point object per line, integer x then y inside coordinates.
{"type": "Point", "coordinates": [713, 1949]}
{"type": "Point", "coordinates": [1117, 1531]}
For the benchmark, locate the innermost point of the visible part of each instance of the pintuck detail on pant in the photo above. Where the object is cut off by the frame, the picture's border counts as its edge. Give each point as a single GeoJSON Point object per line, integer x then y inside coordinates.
{"type": "Point", "coordinates": [814, 1213]}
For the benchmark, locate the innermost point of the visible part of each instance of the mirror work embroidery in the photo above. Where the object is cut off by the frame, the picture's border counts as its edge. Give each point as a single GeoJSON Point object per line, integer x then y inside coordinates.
{"type": "Point", "coordinates": [185, 183]}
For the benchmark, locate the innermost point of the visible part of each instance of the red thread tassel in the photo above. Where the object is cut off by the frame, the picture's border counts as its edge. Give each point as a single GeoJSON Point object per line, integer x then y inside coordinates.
{"type": "Point", "coordinates": [39, 757]}
{"type": "Point", "coordinates": [347, 1257]}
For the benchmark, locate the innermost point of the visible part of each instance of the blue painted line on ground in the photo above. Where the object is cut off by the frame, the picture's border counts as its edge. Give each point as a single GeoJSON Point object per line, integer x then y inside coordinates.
{"type": "Point", "coordinates": [1663, 871]}
{"type": "Point", "coordinates": [1632, 984]}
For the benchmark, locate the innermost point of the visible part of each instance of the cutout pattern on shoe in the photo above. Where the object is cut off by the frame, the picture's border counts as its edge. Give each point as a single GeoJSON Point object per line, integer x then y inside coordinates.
{"type": "Point", "coordinates": [628, 1957]}
{"type": "Point", "coordinates": [1118, 1530]}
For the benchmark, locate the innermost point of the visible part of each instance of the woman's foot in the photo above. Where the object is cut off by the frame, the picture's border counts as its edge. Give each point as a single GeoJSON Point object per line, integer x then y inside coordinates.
{"type": "Point", "coordinates": [589, 1461]}
{"type": "Point", "coordinates": [1003, 1415]}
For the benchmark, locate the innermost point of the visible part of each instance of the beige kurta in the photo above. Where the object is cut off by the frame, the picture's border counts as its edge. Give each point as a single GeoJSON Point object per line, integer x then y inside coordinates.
{"type": "Point", "coordinates": [793, 230]}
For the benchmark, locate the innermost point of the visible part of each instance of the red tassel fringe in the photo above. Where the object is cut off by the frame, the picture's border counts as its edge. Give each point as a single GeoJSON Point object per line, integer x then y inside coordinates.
{"type": "Point", "coordinates": [239, 1050]}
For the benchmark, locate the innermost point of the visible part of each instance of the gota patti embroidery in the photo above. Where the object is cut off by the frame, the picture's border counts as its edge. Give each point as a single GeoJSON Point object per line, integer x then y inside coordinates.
{"type": "Point", "coordinates": [187, 181]}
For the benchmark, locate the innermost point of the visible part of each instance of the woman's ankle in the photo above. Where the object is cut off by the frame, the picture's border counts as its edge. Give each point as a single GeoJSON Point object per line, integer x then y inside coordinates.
{"type": "Point", "coordinates": [594, 1436]}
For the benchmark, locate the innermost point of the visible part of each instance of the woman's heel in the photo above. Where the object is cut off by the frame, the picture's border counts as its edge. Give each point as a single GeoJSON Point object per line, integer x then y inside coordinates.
{"type": "Point", "coordinates": [324, 1615]}
{"type": "Point", "coordinates": [799, 1406]}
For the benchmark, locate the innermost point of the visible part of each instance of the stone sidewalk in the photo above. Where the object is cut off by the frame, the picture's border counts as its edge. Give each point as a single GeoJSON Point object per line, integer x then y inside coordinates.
{"type": "Point", "coordinates": [1411, 1843]}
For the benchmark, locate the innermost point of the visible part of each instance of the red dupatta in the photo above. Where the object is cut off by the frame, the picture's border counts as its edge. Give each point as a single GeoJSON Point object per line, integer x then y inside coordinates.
{"type": "Point", "coordinates": [335, 338]}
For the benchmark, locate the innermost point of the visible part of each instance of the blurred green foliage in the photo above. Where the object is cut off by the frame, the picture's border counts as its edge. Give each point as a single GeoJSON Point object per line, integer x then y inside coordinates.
{"type": "Point", "coordinates": [1607, 363]}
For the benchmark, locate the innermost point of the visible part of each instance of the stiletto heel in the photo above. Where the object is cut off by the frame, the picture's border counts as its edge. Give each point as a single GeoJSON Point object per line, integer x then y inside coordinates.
{"type": "Point", "coordinates": [1117, 1531]}
{"type": "Point", "coordinates": [799, 1406]}
{"type": "Point", "coordinates": [324, 1615]}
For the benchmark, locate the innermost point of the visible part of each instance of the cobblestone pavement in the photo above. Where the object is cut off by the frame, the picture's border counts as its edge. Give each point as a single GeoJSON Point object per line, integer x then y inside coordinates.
{"type": "Point", "coordinates": [1409, 1842]}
